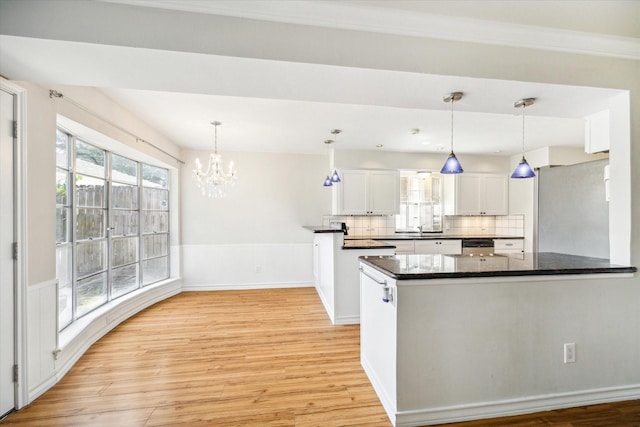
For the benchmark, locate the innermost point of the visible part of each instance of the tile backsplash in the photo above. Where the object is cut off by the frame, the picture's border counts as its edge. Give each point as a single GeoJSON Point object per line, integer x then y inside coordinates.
{"type": "Point", "coordinates": [367, 226]}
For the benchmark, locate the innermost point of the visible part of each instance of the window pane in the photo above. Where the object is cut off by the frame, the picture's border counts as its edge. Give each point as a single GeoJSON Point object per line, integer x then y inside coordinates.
{"type": "Point", "coordinates": [63, 264]}
{"type": "Point", "coordinates": [89, 159]}
{"type": "Point", "coordinates": [124, 196]}
{"type": "Point", "coordinates": [65, 307]}
{"type": "Point", "coordinates": [155, 270]}
{"type": "Point", "coordinates": [90, 192]}
{"type": "Point", "coordinates": [124, 170]}
{"type": "Point", "coordinates": [62, 187]}
{"type": "Point", "coordinates": [124, 223]}
{"type": "Point", "coordinates": [155, 221]}
{"type": "Point", "coordinates": [91, 293]}
{"type": "Point", "coordinates": [155, 199]}
{"type": "Point", "coordinates": [124, 251]}
{"type": "Point", "coordinates": [89, 223]}
{"type": "Point", "coordinates": [91, 257]}
{"type": "Point", "coordinates": [62, 149]}
{"type": "Point", "coordinates": [154, 177]}
{"type": "Point", "coordinates": [124, 280]}
{"type": "Point", "coordinates": [63, 233]}
{"type": "Point", "coordinates": [154, 246]}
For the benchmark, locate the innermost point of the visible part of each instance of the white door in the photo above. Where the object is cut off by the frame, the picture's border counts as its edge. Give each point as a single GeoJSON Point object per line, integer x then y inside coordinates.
{"type": "Point", "coordinates": [7, 263]}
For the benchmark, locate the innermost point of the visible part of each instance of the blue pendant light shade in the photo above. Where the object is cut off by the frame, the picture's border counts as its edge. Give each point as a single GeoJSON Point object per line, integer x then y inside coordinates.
{"type": "Point", "coordinates": [452, 165]}
{"type": "Point", "coordinates": [523, 170]}
{"type": "Point", "coordinates": [327, 182]}
{"type": "Point", "coordinates": [335, 177]}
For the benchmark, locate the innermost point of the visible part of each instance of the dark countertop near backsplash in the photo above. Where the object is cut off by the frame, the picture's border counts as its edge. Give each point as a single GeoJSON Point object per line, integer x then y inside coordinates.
{"type": "Point", "coordinates": [408, 236]}
{"type": "Point", "coordinates": [415, 267]}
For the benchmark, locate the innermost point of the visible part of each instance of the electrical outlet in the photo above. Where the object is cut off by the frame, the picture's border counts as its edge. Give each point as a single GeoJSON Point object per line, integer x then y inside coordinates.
{"type": "Point", "coordinates": [258, 269]}
{"type": "Point", "coordinates": [570, 352]}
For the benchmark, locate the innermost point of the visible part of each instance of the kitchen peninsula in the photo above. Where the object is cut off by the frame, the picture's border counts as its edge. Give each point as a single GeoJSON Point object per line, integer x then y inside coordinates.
{"type": "Point", "coordinates": [452, 338]}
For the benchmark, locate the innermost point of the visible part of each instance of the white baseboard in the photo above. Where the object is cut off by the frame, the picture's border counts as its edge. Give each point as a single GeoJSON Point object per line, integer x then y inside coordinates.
{"type": "Point", "coordinates": [244, 286]}
{"type": "Point", "coordinates": [505, 408]}
{"type": "Point", "coordinates": [495, 409]}
{"type": "Point", "coordinates": [388, 404]}
{"type": "Point", "coordinates": [327, 307]}
{"type": "Point", "coordinates": [42, 387]}
{"type": "Point", "coordinates": [353, 319]}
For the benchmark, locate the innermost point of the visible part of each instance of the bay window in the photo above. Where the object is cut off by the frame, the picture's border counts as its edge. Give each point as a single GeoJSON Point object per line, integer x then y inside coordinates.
{"type": "Point", "coordinates": [102, 252]}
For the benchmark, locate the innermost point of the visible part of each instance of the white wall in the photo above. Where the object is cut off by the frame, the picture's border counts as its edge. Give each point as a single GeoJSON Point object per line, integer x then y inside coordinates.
{"type": "Point", "coordinates": [254, 236]}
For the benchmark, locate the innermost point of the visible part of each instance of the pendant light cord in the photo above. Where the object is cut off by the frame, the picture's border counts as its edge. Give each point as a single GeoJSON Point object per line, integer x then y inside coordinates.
{"type": "Point", "coordinates": [523, 107]}
{"type": "Point", "coordinates": [452, 100]}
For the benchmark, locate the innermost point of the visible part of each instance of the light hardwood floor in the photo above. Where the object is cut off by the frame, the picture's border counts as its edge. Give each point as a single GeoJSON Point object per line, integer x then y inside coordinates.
{"type": "Point", "coordinates": [241, 358]}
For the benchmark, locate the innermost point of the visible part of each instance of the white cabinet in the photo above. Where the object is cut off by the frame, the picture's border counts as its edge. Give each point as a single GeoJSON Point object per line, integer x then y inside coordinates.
{"type": "Point", "coordinates": [427, 247]}
{"type": "Point", "coordinates": [403, 247]}
{"type": "Point", "coordinates": [445, 247]}
{"type": "Point", "coordinates": [596, 132]}
{"type": "Point", "coordinates": [476, 194]}
{"type": "Point", "coordinates": [368, 192]}
{"type": "Point", "coordinates": [508, 246]}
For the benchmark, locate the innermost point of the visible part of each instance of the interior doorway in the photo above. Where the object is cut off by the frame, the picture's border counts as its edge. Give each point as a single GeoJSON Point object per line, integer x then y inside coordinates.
{"type": "Point", "coordinates": [8, 253]}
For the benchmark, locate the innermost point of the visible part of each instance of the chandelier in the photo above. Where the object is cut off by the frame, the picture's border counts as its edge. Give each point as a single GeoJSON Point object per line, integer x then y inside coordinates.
{"type": "Point", "coordinates": [214, 182]}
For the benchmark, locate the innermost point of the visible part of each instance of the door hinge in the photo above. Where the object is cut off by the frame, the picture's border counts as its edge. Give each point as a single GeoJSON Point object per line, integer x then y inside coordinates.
{"type": "Point", "coordinates": [15, 373]}
{"type": "Point", "coordinates": [15, 251]}
{"type": "Point", "coordinates": [15, 129]}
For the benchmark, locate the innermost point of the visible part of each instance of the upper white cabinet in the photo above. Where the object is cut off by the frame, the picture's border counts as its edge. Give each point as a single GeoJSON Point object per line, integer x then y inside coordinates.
{"type": "Point", "coordinates": [368, 192]}
{"type": "Point", "coordinates": [476, 194]}
{"type": "Point", "coordinates": [596, 132]}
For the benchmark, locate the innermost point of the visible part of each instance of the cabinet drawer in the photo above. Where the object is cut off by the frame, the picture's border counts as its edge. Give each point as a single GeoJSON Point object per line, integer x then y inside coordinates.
{"type": "Point", "coordinates": [506, 245]}
{"type": "Point", "coordinates": [402, 246]}
{"type": "Point", "coordinates": [449, 247]}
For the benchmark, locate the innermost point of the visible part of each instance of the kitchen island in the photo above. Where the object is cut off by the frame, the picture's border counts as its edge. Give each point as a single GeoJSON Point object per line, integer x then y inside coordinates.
{"type": "Point", "coordinates": [452, 338]}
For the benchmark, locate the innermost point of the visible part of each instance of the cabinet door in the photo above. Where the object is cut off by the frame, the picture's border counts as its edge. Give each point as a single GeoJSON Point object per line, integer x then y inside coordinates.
{"type": "Point", "coordinates": [384, 192]}
{"type": "Point", "coordinates": [494, 195]}
{"type": "Point", "coordinates": [468, 194]}
{"type": "Point", "coordinates": [427, 247]}
{"type": "Point", "coordinates": [354, 192]}
{"type": "Point", "coordinates": [445, 247]}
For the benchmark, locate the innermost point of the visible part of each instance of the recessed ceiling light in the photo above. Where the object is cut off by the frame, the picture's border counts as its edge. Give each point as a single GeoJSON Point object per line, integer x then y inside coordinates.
{"type": "Point", "coordinates": [426, 143]}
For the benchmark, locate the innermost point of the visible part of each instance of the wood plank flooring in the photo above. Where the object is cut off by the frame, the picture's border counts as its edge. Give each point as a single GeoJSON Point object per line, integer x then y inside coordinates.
{"type": "Point", "coordinates": [241, 358]}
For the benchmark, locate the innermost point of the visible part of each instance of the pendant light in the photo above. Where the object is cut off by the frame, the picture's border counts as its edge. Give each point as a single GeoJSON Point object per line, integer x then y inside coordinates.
{"type": "Point", "coordinates": [452, 165]}
{"type": "Point", "coordinates": [333, 177]}
{"type": "Point", "coordinates": [523, 170]}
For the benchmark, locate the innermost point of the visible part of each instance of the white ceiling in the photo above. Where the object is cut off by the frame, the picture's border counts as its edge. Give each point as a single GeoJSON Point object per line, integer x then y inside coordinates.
{"type": "Point", "coordinates": [281, 106]}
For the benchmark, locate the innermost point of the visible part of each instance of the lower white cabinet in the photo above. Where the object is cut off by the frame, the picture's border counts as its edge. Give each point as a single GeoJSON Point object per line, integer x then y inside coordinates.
{"type": "Point", "coordinates": [445, 247]}
{"type": "Point", "coordinates": [508, 246]}
{"type": "Point", "coordinates": [427, 247]}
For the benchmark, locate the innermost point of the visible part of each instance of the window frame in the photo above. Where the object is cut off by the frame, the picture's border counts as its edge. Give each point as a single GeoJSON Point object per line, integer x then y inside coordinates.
{"type": "Point", "coordinates": [107, 236]}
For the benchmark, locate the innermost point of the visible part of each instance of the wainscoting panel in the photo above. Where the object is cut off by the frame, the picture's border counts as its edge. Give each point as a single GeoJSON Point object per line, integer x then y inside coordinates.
{"type": "Point", "coordinates": [41, 337]}
{"type": "Point", "coordinates": [210, 267]}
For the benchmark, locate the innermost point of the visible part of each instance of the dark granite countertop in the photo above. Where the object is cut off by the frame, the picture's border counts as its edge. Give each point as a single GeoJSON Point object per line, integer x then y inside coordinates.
{"type": "Point", "coordinates": [366, 244]}
{"type": "Point", "coordinates": [320, 229]}
{"type": "Point", "coordinates": [432, 236]}
{"type": "Point", "coordinates": [414, 267]}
